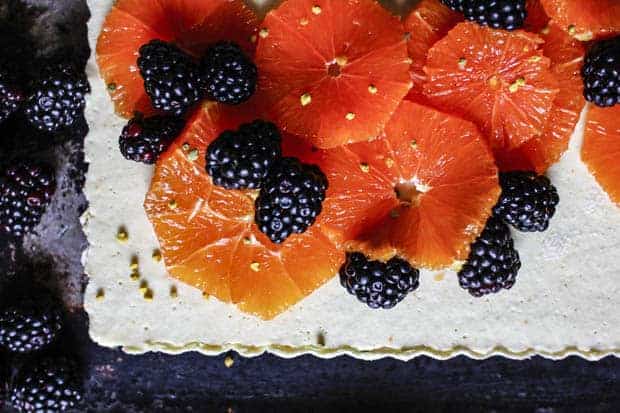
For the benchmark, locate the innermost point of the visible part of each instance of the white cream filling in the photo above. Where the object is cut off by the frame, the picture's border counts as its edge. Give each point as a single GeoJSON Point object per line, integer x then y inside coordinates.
{"type": "Point", "coordinates": [565, 301]}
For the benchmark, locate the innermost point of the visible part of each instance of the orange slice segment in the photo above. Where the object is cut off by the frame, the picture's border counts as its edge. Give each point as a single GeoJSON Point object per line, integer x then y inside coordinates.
{"type": "Point", "coordinates": [192, 24]}
{"type": "Point", "coordinates": [601, 148]}
{"type": "Point", "coordinates": [539, 153]}
{"type": "Point", "coordinates": [332, 71]}
{"type": "Point", "coordinates": [424, 191]}
{"type": "Point", "coordinates": [498, 79]}
{"type": "Point", "coordinates": [207, 234]}
{"type": "Point", "coordinates": [585, 20]}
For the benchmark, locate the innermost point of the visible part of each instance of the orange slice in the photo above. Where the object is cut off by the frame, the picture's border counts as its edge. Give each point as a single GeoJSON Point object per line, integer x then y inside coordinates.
{"type": "Point", "coordinates": [427, 23]}
{"type": "Point", "coordinates": [424, 191]}
{"type": "Point", "coordinates": [332, 71]}
{"type": "Point", "coordinates": [539, 153]}
{"type": "Point", "coordinates": [192, 24]}
{"type": "Point", "coordinates": [207, 234]}
{"type": "Point", "coordinates": [601, 148]}
{"type": "Point", "coordinates": [498, 79]}
{"type": "Point", "coordinates": [585, 20]}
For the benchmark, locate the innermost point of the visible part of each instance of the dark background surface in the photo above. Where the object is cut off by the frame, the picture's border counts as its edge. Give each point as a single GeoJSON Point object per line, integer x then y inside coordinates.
{"type": "Point", "coordinates": [116, 382]}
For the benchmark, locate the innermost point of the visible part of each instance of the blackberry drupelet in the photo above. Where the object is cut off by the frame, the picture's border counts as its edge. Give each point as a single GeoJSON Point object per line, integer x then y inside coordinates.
{"type": "Point", "coordinates": [171, 78]}
{"type": "Point", "coordinates": [30, 324]}
{"type": "Point", "coordinates": [57, 99]}
{"type": "Point", "coordinates": [456, 5]}
{"type": "Point", "coordinates": [498, 14]}
{"type": "Point", "coordinates": [601, 73]}
{"type": "Point", "coordinates": [378, 284]}
{"type": "Point", "coordinates": [144, 139]}
{"type": "Point", "coordinates": [290, 200]}
{"type": "Point", "coordinates": [241, 159]}
{"type": "Point", "coordinates": [26, 190]}
{"type": "Point", "coordinates": [527, 202]}
{"type": "Point", "coordinates": [230, 76]}
{"type": "Point", "coordinates": [47, 385]}
{"type": "Point", "coordinates": [11, 95]}
{"type": "Point", "coordinates": [493, 262]}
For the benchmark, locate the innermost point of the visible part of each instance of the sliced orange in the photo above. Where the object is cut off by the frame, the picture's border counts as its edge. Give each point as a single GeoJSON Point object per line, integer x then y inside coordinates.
{"type": "Point", "coordinates": [427, 23]}
{"type": "Point", "coordinates": [191, 24]}
{"type": "Point", "coordinates": [537, 18]}
{"type": "Point", "coordinates": [539, 153]}
{"type": "Point", "coordinates": [498, 79]}
{"type": "Point", "coordinates": [207, 234]}
{"type": "Point", "coordinates": [424, 191]}
{"type": "Point", "coordinates": [601, 148]}
{"type": "Point", "coordinates": [332, 71]}
{"type": "Point", "coordinates": [586, 19]}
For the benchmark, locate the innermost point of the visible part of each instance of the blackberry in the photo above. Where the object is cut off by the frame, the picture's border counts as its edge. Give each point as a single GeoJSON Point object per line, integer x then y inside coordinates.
{"type": "Point", "coordinates": [241, 159]}
{"type": "Point", "coordinates": [456, 5]}
{"type": "Point", "coordinates": [498, 14]}
{"type": "Point", "coordinates": [378, 284]}
{"type": "Point", "coordinates": [26, 190]}
{"type": "Point", "coordinates": [230, 76]}
{"type": "Point", "coordinates": [11, 95]}
{"type": "Point", "coordinates": [30, 324]}
{"type": "Point", "coordinates": [144, 139]}
{"type": "Point", "coordinates": [290, 200]}
{"type": "Point", "coordinates": [601, 73]}
{"type": "Point", "coordinates": [171, 78]}
{"type": "Point", "coordinates": [57, 99]}
{"type": "Point", "coordinates": [51, 384]}
{"type": "Point", "coordinates": [493, 262]}
{"type": "Point", "coordinates": [527, 202]}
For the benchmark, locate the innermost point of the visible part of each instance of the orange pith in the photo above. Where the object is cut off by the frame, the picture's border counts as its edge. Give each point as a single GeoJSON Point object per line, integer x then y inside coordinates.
{"type": "Point", "coordinates": [585, 20]}
{"type": "Point", "coordinates": [446, 181]}
{"type": "Point", "coordinates": [207, 234]}
{"type": "Point", "coordinates": [192, 24]}
{"type": "Point", "coordinates": [332, 71]}
{"type": "Point", "coordinates": [566, 55]}
{"type": "Point", "coordinates": [500, 80]}
{"type": "Point", "coordinates": [601, 148]}
{"type": "Point", "coordinates": [427, 23]}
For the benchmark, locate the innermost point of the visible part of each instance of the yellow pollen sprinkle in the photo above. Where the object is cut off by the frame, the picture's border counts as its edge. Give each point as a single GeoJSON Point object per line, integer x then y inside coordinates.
{"type": "Point", "coordinates": [144, 286]}
{"type": "Point", "coordinates": [228, 362]}
{"type": "Point", "coordinates": [494, 81]}
{"type": "Point", "coordinates": [365, 167]}
{"type": "Point", "coordinates": [305, 99]}
{"type": "Point", "coordinates": [263, 33]}
{"type": "Point", "coordinates": [572, 30]}
{"type": "Point", "coordinates": [111, 87]}
{"type": "Point", "coordinates": [148, 295]}
{"type": "Point", "coordinates": [253, 38]}
{"type": "Point", "coordinates": [414, 144]}
{"type": "Point", "coordinates": [584, 37]}
{"type": "Point", "coordinates": [316, 10]}
{"type": "Point", "coordinates": [389, 162]}
{"type": "Point", "coordinates": [247, 240]}
{"type": "Point", "coordinates": [516, 85]}
{"type": "Point", "coordinates": [133, 265]}
{"type": "Point", "coordinates": [205, 295]}
{"type": "Point", "coordinates": [174, 293]}
{"type": "Point", "coordinates": [462, 63]}
{"type": "Point", "coordinates": [255, 266]}
{"type": "Point", "coordinates": [535, 59]}
{"type": "Point", "coordinates": [526, 49]}
{"type": "Point", "coordinates": [350, 116]}
{"type": "Point", "coordinates": [135, 276]}
{"type": "Point", "coordinates": [545, 30]}
{"type": "Point", "coordinates": [173, 204]}
{"type": "Point", "coordinates": [100, 294]}
{"type": "Point", "coordinates": [122, 236]}
{"type": "Point", "coordinates": [156, 256]}
{"type": "Point", "coordinates": [193, 155]}
{"type": "Point", "coordinates": [372, 89]}
{"type": "Point", "coordinates": [342, 60]}
{"type": "Point", "coordinates": [303, 22]}
{"type": "Point", "coordinates": [185, 147]}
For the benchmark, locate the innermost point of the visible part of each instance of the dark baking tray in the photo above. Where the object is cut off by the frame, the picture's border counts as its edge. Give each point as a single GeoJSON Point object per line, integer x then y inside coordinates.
{"type": "Point", "coordinates": [116, 382]}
